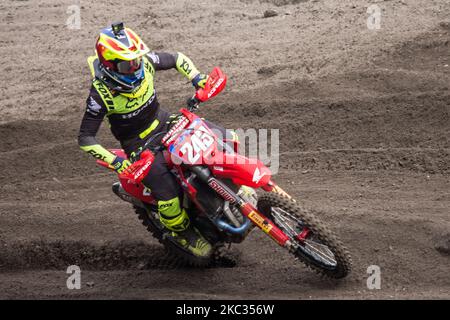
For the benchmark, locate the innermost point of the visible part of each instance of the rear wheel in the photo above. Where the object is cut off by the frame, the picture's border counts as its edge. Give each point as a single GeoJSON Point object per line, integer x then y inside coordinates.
{"type": "Point", "coordinates": [177, 255]}
{"type": "Point", "coordinates": [316, 245]}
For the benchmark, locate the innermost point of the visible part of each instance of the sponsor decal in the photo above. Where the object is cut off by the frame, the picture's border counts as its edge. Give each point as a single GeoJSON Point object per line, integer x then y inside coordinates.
{"type": "Point", "coordinates": [133, 102]}
{"type": "Point", "coordinates": [142, 169]}
{"type": "Point", "coordinates": [154, 57]}
{"type": "Point", "coordinates": [221, 191]}
{"type": "Point", "coordinates": [177, 127]}
{"type": "Point", "coordinates": [138, 111]}
{"type": "Point", "coordinates": [186, 67]}
{"type": "Point", "coordinates": [257, 175]}
{"type": "Point", "coordinates": [146, 192]}
{"type": "Point", "coordinates": [96, 155]}
{"type": "Point", "coordinates": [260, 221]}
{"type": "Point", "coordinates": [214, 89]}
{"type": "Point", "coordinates": [105, 94]}
{"type": "Point", "coordinates": [200, 142]}
{"type": "Point", "coordinates": [93, 107]}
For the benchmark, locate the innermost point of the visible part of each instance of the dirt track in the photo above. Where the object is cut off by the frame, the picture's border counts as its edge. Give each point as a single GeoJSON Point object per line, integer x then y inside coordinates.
{"type": "Point", "coordinates": [364, 119]}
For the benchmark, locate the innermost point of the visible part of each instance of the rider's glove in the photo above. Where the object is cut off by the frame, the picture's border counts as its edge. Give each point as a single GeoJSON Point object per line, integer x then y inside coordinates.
{"type": "Point", "coordinates": [199, 80]}
{"type": "Point", "coordinates": [134, 156]}
{"type": "Point", "coordinates": [120, 164]}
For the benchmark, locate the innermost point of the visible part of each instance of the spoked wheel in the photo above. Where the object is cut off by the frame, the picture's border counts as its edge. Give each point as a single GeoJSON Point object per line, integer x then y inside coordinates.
{"type": "Point", "coordinates": [315, 244]}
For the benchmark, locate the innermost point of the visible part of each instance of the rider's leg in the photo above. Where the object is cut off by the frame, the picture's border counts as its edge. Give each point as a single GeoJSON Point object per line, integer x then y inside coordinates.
{"type": "Point", "coordinates": [166, 191]}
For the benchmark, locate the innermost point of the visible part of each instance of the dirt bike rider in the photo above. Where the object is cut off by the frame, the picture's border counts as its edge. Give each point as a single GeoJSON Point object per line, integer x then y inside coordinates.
{"type": "Point", "coordinates": [123, 91]}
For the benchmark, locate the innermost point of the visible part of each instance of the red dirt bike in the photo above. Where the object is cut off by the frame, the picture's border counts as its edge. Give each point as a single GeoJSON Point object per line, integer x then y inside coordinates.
{"type": "Point", "coordinates": [219, 195]}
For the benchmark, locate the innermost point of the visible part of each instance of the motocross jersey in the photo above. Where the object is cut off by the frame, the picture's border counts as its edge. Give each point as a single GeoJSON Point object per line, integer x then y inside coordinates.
{"type": "Point", "coordinates": [129, 118]}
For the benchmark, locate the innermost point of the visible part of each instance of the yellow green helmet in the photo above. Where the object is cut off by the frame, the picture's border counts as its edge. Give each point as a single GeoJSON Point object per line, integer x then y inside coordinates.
{"type": "Point", "coordinates": [120, 52]}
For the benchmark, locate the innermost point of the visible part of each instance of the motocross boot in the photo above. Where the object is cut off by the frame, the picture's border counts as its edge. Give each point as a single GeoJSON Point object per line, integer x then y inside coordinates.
{"type": "Point", "coordinates": [177, 221]}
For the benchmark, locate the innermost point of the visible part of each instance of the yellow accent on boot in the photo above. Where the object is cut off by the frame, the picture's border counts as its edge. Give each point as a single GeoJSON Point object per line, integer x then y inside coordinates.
{"type": "Point", "coordinates": [178, 223]}
{"type": "Point", "coordinates": [177, 220]}
{"type": "Point", "coordinates": [171, 215]}
{"type": "Point", "coordinates": [192, 240]}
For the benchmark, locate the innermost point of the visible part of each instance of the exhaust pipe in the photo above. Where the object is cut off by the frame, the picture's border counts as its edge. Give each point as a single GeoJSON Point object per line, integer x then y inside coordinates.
{"type": "Point", "coordinates": [236, 230]}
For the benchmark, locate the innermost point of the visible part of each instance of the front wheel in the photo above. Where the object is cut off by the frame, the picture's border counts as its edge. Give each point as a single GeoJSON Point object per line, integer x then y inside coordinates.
{"type": "Point", "coordinates": [315, 245]}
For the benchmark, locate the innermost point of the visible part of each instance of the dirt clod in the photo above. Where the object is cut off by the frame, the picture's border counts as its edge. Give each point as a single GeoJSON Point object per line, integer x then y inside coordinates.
{"type": "Point", "coordinates": [442, 244]}
{"type": "Point", "coordinates": [270, 13]}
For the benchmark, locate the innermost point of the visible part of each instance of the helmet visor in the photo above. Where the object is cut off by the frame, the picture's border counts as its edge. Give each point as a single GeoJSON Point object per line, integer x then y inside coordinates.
{"type": "Point", "coordinates": [129, 67]}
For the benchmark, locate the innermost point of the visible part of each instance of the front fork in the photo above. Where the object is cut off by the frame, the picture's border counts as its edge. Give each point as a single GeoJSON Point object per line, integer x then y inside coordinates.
{"type": "Point", "coordinates": [247, 209]}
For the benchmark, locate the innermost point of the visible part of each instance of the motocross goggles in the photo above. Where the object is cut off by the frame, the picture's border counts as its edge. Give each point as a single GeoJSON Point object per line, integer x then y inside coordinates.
{"type": "Point", "coordinates": [128, 79]}
{"type": "Point", "coordinates": [128, 67]}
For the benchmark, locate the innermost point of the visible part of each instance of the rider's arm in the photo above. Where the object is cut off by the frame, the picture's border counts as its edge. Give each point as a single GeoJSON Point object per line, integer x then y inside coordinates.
{"type": "Point", "coordinates": [178, 61]}
{"type": "Point", "coordinates": [92, 119]}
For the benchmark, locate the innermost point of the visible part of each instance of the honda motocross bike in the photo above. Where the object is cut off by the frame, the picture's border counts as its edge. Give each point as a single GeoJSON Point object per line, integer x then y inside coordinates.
{"type": "Point", "coordinates": [219, 194]}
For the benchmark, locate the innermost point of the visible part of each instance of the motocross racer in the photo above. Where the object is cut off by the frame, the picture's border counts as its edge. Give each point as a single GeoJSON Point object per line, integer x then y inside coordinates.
{"type": "Point", "coordinates": [123, 71]}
